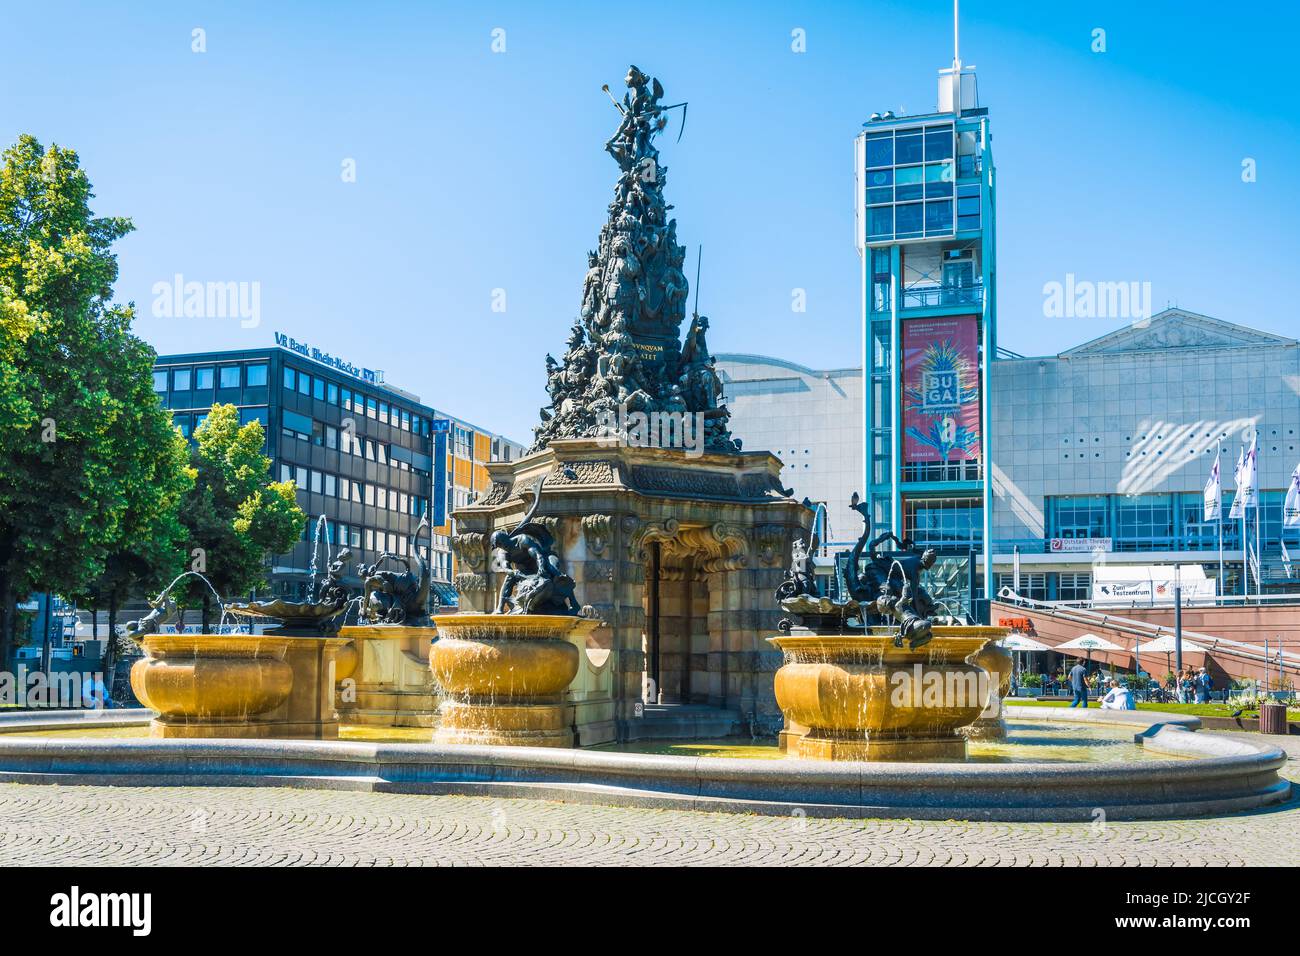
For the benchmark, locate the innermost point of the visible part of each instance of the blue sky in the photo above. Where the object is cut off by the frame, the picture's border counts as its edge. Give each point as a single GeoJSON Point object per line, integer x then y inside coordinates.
{"type": "Point", "coordinates": [478, 171]}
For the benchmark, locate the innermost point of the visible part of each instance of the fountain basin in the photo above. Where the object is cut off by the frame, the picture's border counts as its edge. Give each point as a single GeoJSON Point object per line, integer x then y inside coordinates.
{"type": "Point", "coordinates": [997, 662]}
{"type": "Point", "coordinates": [502, 678]}
{"type": "Point", "coordinates": [203, 685]}
{"type": "Point", "coordinates": [858, 697]}
{"type": "Point", "coordinates": [238, 686]}
{"type": "Point", "coordinates": [1216, 774]}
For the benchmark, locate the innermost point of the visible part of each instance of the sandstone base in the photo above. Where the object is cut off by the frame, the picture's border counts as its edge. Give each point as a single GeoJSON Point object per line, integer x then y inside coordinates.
{"type": "Point", "coordinates": [814, 747]}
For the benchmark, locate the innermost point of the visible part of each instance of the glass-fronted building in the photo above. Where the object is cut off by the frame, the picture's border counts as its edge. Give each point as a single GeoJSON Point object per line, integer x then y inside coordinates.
{"type": "Point", "coordinates": [925, 234]}
{"type": "Point", "coordinates": [1104, 451]}
{"type": "Point", "coordinates": [1101, 458]}
{"type": "Point", "coordinates": [363, 453]}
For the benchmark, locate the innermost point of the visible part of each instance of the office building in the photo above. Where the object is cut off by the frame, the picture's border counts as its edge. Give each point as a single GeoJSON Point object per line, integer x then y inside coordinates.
{"type": "Point", "coordinates": [369, 456]}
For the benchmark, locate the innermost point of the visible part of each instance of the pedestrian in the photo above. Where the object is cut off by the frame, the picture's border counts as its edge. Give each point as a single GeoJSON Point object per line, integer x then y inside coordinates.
{"type": "Point", "coordinates": [1204, 684]}
{"type": "Point", "coordinates": [1078, 678]}
{"type": "Point", "coordinates": [1118, 697]}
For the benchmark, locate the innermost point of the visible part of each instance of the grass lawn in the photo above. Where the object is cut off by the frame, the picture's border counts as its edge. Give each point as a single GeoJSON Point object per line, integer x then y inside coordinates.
{"type": "Point", "coordinates": [1197, 710]}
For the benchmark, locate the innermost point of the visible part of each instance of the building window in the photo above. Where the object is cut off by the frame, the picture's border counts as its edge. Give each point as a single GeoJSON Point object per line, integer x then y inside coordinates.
{"type": "Point", "coordinates": [300, 477]}
{"type": "Point", "coordinates": [304, 383]}
{"type": "Point", "coordinates": [372, 407]}
{"type": "Point", "coordinates": [160, 382]}
{"type": "Point", "coordinates": [332, 394]}
{"type": "Point", "coordinates": [315, 482]}
{"type": "Point", "coordinates": [286, 472]}
{"type": "Point", "coordinates": [944, 522]}
{"type": "Point", "coordinates": [905, 167]}
{"type": "Point", "coordinates": [1074, 587]}
{"type": "Point", "coordinates": [289, 378]}
{"type": "Point", "coordinates": [181, 380]}
{"type": "Point", "coordinates": [968, 207]}
{"type": "Point", "coordinates": [318, 389]}
{"type": "Point", "coordinates": [1033, 585]}
{"type": "Point", "coordinates": [331, 437]}
{"type": "Point", "coordinates": [1082, 516]}
{"type": "Point", "coordinates": [255, 376]}
{"type": "Point", "coordinates": [464, 442]}
{"type": "Point", "coordinates": [1144, 522]}
{"type": "Point", "coordinates": [203, 378]}
{"type": "Point", "coordinates": [228, 377]}
{"type": "Point", "coordinates": [383, 412]}
{"type": "Point", "coordinates": [258, 415]}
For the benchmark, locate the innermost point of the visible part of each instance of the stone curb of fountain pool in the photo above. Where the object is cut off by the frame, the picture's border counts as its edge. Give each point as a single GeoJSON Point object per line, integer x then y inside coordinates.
{"type": "Point", "coordinates": [1227, 776]}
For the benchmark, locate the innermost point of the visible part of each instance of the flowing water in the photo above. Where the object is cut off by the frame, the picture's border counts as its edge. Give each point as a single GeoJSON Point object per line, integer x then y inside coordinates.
{"type": "Point", "coordinates": [221, 622]}
{"type": "Point", "coordinates": [321, 525]}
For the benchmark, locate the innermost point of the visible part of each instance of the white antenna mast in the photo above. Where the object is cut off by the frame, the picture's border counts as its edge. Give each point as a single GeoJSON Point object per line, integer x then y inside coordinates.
{"type": "Point", "coordinates": [956, 55]}
{"type": "Point", "coordinates": [956, 59]}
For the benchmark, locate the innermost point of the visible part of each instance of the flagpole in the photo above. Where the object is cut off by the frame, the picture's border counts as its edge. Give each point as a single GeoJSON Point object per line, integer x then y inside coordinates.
{"type": "Point", "coordinates": [1218, 457]}
{"type": "Point", "coordinates": [1245, 559]}
{"type": "Point", "coordinates": [1259, 545]}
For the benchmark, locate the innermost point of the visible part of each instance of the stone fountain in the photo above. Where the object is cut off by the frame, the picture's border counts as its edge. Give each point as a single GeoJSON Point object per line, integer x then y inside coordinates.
{"type": "Point", "coordinates": [502, 676]}
{"type": "Point", "coordinates": [390, 684]}
{"type": "Point", "coordinates": [877, 674]}
{"type": "Point", "coordinates": [276, 684]}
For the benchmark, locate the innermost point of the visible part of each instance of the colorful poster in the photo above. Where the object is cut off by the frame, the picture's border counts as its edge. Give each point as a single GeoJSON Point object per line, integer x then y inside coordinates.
{"type": "Point", "coordinates": [941, 397]}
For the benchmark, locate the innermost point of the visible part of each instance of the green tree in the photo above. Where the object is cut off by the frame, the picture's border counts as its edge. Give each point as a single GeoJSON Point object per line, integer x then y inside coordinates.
{"type": "Point", "coordinates": [150, 549]}
{"type": "Point", "coordinates": [87, 453]}
{"type": "Point", "coordinates": [237, 516]}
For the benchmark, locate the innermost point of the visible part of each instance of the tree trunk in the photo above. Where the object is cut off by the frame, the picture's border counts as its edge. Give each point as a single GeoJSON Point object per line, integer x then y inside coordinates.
{"type": "Point", "coordinates": [109, 662]}
{"type": "Point", "coordinates": [8, 613]}
{"type": "Point", "coordinates": [207, 613]}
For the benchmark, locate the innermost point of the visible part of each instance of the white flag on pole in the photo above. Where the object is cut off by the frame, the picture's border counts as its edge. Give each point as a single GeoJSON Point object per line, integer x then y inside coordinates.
{"type": "Point", "coordinates": [1214, 493]}
{"type": "Point", "coordinates": [1291, 507]}
{"type": "Point", "coordinates": [1247, 495]}
{"type": "Point", "coordinates": [1237, 511]}
{"type": "Point", "coordinates": [1286, 559]}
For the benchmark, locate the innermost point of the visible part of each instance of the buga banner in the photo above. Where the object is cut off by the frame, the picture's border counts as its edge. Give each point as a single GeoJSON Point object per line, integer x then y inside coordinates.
{"type": "Point", "coordinates": [941, 399]}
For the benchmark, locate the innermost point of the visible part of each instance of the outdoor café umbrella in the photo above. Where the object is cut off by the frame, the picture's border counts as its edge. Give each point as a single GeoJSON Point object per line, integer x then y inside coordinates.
{"type": "Point", "coordinates": [1018, 642]}
{"type": "Point", "coordinates": [1088, 643]}
{"type": "Point", "coordinates": [1164, 644]}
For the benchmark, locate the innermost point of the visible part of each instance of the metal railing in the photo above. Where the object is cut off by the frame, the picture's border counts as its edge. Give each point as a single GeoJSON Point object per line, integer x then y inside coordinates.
{"type": "Point", "coordinates": [1073, 613]}
{"type": "Point", "coordinates": [930, 297]}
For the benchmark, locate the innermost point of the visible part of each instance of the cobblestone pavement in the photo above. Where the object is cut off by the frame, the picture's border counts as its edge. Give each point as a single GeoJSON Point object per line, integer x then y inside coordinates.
{"type": "Point", "coordinates": [51, 825]}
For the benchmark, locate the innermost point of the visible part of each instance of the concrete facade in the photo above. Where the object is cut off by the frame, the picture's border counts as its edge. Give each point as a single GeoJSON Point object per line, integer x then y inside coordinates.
{"type": "Point", "coordinates": [812, 420]}
{"type": "Point", "coordinates": [1135, 418]}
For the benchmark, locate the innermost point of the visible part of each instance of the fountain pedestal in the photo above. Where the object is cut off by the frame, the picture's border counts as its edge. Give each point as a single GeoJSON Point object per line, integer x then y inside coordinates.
{"type": "Point", "coordinates": [391, 684]}
{"type": "Point", "coordinates": [502, 677]}
{"type": "Point", "coordinates": [239, 686]}
{"type": "Point", "coordinates": [858, 697]}
{"type": "Point", "coordinates": [997, 662]}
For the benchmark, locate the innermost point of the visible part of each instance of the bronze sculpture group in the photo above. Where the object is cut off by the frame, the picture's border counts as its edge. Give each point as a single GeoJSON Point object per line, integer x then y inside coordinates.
{"type": "Point", "coordinates": [883, 589]}
{"type": "Point", "coordinates": [535, 582]}
{"type": "Point", "coordinates": [624, 353]}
